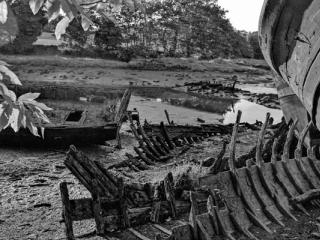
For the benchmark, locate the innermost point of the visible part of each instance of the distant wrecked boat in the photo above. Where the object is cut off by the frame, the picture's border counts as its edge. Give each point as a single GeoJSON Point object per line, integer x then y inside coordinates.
{"type": "Point", "coordinates": [81, 114]}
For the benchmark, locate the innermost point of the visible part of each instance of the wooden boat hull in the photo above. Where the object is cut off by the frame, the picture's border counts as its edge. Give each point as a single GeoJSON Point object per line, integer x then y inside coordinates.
{"type": "Point", "coordinates": [289, 37]}
{"type": "Point", "coordinates": [61, 136]}
{"type": "Point", "coordinates": [81, 115]}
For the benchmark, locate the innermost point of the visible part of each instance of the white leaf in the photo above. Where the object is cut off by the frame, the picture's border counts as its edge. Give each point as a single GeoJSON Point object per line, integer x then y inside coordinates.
{"type": "Point", "coordinates": [13, 119]}
{"type": "Point", "coordinates": [35, 5]}
{"type": "Point", "coordinates": [61, 27]}
{"type": "Point", "coordinates": [4, 116]}
{"type": "Point", "coordinates": [85, 22]}
{"type": "Point", "coordinates": [30, 125]}
{"type": "Point", "coordinates": [3, 12]}
{"type": "Point", "coordinates": [28, 96]}
{"type": "Point", "coordinates": [22, 117]}
{"type": "Point", "coordinates": [38, 104]}
{"type": "Point", "coordinates": [13, 77]}
{"type": "Point", "coordinates": [42, 132]}
{"type": "Point", "coordinates": [12, 95]}
{"type": "Point", "coordinates": [3, 89]}
{"type": "Point", "coordinates": [33, 129]}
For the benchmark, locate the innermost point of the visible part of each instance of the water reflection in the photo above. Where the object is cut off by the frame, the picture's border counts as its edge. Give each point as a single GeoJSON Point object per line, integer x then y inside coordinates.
{"type": "Point", "coordinates": [187, 113]}
{"type": "Point", "coordinates": [251, 112]}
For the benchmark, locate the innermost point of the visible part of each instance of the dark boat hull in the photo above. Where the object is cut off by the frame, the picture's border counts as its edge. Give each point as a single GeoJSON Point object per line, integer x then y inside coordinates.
{"type": "Point", "coordinates": [61, 136]}
{"type": "Point", "coordinates": [289, 35]}
{"type": "Point", "coordinates": [98, 120]}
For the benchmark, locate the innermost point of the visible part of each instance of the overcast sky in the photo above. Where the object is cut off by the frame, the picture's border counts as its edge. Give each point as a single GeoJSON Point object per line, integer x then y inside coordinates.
{"type": "Point", "coordinates": [243, 14]}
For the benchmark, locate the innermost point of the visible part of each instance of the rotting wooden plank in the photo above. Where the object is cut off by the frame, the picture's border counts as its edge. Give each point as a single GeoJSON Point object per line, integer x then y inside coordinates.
{"type": "Point", "coordinates": [218, 164]}
{"type": "Point", "coordinates": [66, 210]}
{"type": "Point", "coordinates": [281, 178]}
{"type": "Point", "coordinates": [238, 226]}
{"type": "Point", "coordinates": [148, 142]}
{"type": "Point", "coordinates": [262, 191]}
{"type": "Point", "coordinates": [286, 149]}
{"type": "Point", "coordinates": [257, 222]}
{"type": "Point", "coordinates": [225, 224]}
{"type": "Point", "coordinates": [121, 114]}
{"type": "Point", "coordinates": [162, 229]}
{"type": "Point", "coordinates": [250, 196]}
{"type": "Point", "coordinates": [163, 144]}
{"type": "Point", "coordinates": [311, 172]}
{"type": "Point", "coordinates": [143, 156]}
{"type": "Point", "coordinates": [232, 146]}
{"type": "Point", "coordinates": [224, 182]}
{"type": "Point", "coordinates": [211, 211]}
{"type": "Point", "coordinates": [260, 142]}
{"type": "Point", "coordinates": [158, 147]}
{"type": "Point", "coordinates": [169, 192]}
{"type": "Point", "coordinates": [102, 178]}
{"type": "Point", "coordinates": [123, 206]}
{"type": "Point", "coordinates": [149, 154]}
{"type": "Point", "coordinates": [156, 205]}
{"type": "Point", "coordinates": [267, 202]}
{"type": "Point", "coordinates": [306, 197]}
{"type": "Point", "coordinates": [293, 175]}
{"type": "Point", "coordinates": [274, 190]}
{"type": "Point", "coordinates": [204, 235]}
{"type": "Point", "coordinates": [80, 174]}
{"type": "Point", "coordinates": [194, 211]}
{"type": "Point", "coordinates": [98, 217]}
{"type": "Point", "coordinates": [206, 229]}
{"type": "Point", "coordinates": [166, 136]}
{"type": "Point", "coordinates": [137, 234]}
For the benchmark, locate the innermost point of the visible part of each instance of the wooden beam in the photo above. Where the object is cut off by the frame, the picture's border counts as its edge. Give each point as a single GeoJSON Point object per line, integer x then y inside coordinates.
{"type": "Point", "coordinates": [66, 210]}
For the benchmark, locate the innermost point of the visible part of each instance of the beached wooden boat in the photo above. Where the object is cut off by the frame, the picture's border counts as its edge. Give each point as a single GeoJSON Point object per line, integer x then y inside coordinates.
{"type": "Point", "coordinates": [290, 41]}
{"type": "Point", "coordinates": [81, 115]}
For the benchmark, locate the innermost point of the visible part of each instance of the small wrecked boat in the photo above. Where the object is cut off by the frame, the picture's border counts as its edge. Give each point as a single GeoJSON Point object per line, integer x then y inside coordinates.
{"type": "Point", "coordinates": [81, 114]}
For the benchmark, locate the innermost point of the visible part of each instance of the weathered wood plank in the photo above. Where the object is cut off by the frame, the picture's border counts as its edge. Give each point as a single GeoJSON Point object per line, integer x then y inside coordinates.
{"type": "Point", "coordinates": [66, 210]}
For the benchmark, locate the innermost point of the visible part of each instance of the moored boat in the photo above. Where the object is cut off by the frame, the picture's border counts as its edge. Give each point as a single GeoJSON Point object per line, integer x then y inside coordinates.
{"type": "Point", "coordinates": [81, 115]}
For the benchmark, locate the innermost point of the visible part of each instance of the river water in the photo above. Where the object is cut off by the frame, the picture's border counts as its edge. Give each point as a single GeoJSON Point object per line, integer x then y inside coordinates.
{"type": "Point", "coordinates": [187, 111]}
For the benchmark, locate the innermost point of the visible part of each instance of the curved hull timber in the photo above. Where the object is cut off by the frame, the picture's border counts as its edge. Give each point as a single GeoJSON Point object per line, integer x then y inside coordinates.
{"type": "Point", "coordinates": [289, 34]}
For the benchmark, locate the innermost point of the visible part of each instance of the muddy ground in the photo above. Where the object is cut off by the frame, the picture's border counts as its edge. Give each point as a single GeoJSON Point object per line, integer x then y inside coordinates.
{"type": "Point", "coordinates": [30, 198]}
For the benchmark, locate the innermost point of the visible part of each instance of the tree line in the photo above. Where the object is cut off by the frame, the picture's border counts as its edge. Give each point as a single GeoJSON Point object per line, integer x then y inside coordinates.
{"type": "Point", "coordinates": [176, 28]}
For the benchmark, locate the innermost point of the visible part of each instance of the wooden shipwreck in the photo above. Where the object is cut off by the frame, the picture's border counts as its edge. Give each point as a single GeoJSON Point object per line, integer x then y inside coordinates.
{"type": "Point", "coordinates": [237, 202]}
{"type": "Point", "coordinates": [243, 201]}
{"type": "Point", "coordinates": [80, 115]}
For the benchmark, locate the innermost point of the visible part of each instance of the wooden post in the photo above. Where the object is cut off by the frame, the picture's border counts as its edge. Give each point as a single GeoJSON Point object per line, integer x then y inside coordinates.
{"type": "Point", "coordinates": [156, 206]}
{"type": "Point", "coordinates": [232, 164]}
{"type": "Point", "coordinates": [167, 116]}
{"type": "Point", "coordinates": [169, 191]}
{"type": "Point", "coordinates": [286, 149]}
{"type": "Point", "coordinates": [260, 142]}
{"type": "Point", "coordinates": [97, 211]}
{"type": "Point", "coordinates": [123, 207]}
{"type": "Point", "coordinates": [66, 209]}
{"type": "Point", "coordinates": [194, 211]}
{"type": "Point", "coordinates": [121, 113]}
